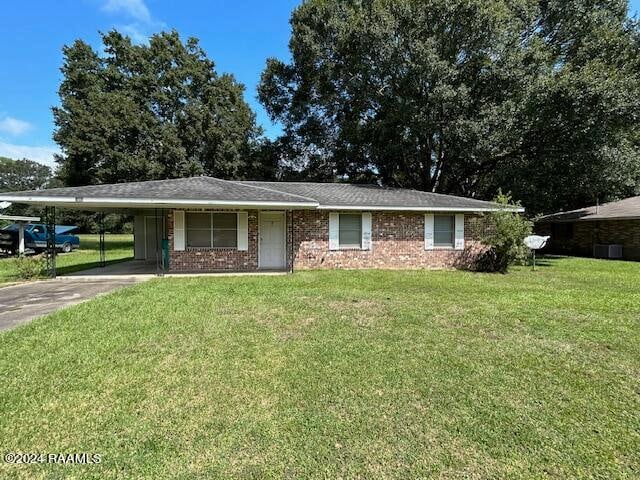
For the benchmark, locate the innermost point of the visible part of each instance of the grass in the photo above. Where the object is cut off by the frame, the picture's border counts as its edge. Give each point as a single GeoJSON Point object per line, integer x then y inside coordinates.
{"type": "Point", "coordinates": [118, 248]}
{"type": "Point", "coordinates": [337, 374]}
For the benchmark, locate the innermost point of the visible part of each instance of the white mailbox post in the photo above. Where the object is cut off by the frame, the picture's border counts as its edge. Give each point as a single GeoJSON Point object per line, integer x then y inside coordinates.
{"type": "Point", "coordinates": [535, 242]}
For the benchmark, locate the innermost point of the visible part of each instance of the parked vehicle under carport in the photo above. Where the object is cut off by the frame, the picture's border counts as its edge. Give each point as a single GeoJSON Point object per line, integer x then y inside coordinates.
{"type": "Point", "coordinates": [35, 238]}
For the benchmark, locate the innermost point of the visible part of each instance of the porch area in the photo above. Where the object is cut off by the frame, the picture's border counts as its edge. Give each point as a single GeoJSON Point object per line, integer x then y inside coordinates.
{"type": "Point", "coordinates": [256, 242]}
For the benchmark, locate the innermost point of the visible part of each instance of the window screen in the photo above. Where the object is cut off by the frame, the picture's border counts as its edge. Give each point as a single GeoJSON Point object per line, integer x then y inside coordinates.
{"type": "Point", "coordinates": [225, 230]}
{"type": "Point", "coordinates": [350, 234]}
{"type": "Point", "coordinates": [443, 230]}
{"type": "Point", "coordinates": [198, 227]}
{"type": "Point", "coordinates": [212, 230]}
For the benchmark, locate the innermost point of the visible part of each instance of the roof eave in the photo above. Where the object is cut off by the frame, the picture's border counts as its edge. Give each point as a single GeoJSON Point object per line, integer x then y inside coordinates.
{"type": "Point", "coordinates": [123, 202]}
{"type": "Point", "coordinates": [397, 208]}
{"type": "Point", "coordinates": [119, 202]}
{"type": "Point", "coordinates": [586, 219]}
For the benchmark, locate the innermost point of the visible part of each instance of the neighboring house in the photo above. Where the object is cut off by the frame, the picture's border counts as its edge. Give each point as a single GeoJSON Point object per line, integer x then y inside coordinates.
{"type": "Point", "coordinates": [207, 224]}
{"type": "Point", "coordinates": [611, 229]}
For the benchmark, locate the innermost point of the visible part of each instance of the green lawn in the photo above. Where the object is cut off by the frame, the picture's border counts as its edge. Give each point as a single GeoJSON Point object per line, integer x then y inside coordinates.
{"type": "Point", "coordinates": [118, 247]}
{"type": "Point", "coordinates": [337, 374]}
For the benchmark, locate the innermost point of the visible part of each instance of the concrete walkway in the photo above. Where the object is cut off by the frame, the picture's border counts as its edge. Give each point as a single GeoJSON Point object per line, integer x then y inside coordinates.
{"type": "Point", "coordinates": [21, 303]}
{"type": "Point", "coordinates": [145, 270]}
{"type": "Point", "coordinates": [140, 269]}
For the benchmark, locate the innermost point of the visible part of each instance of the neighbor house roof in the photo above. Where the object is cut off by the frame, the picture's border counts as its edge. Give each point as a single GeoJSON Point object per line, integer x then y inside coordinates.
{"type": "Point", "coordinates": [213, 192]}
{"type": "Point", "coordinates": [627, 209]}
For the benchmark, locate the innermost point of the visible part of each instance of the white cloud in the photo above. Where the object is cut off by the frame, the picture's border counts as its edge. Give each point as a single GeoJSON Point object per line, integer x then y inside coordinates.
{"type": "Point", "coordinates": [13, 126]}
{"type": "Point", "coordinates": [134, 8]}
{"type": "Point", "coordinates": [135, 31]}
{"type": "Point", "coordinates": [43, 154]}
{"type": "Point", "coordinates": [144, 23]}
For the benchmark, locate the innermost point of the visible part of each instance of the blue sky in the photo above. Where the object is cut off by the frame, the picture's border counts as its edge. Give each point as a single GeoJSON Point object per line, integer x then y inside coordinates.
{"type": "Point", "coordinates": [237, 35]}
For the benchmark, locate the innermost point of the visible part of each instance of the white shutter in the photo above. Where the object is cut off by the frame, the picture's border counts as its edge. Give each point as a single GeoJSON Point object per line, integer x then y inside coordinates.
{"type": "Point", "coordinates": [366, 231]}
{"type": "Point", "coordinates": [243, 231]}
{"type": "Point", "coordinates": [334, 231]}
{"type": "Point", "coordinates": [178, 230]}
{"type": "Point", "coordinates": [459, 243]}
{"type": "Point", "coordinates": [428, 231]}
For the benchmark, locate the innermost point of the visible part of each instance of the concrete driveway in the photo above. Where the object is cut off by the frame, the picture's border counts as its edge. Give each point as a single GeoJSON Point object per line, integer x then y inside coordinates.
{"type": "Point", "coordinates": [22, 303]}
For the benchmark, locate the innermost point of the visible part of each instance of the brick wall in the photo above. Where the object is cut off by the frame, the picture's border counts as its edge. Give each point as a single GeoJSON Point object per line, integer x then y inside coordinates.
{"type": "Point", "coordinates": [216, 259]}
{"type": "Point", "coordinates": [585, 234]}
{"type": "Point", "coordinates": [397, 242]}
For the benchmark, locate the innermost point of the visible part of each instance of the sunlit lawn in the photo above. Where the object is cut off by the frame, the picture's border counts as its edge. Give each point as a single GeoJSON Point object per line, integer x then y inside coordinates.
{"type": "Point", "coordinates": [337, 374]}
{"type": "Point", "coordinates": [118, 248]}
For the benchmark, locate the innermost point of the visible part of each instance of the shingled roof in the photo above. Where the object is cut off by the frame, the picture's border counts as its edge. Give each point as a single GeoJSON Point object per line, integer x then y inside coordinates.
{"type": "Point", "coordinates": [188, 191]}
{"type": "Point", "coordinates": [351, 195]}
{"type": "Point", "coordinates": [213, 192]}
{"type": "Point", "coordinates": [627, 209]}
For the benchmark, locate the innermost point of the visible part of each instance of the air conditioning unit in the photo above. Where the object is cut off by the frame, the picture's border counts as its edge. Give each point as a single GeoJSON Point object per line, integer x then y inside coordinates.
{"type": "Point", "coordinates": [607, 251]}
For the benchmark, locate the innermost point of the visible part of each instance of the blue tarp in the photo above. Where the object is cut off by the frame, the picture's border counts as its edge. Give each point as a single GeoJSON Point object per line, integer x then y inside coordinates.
{"type": "Point", "coordinates": [60, 229]}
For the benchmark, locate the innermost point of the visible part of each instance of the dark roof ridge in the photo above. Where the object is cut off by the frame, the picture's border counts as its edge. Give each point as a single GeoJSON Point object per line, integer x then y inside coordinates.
{"type": "Point", "coordinates": [104, 184]}
{"type": "Point", "coordinates": [244, 184]}
{"type": "Point", "coordinates": [381, 187]}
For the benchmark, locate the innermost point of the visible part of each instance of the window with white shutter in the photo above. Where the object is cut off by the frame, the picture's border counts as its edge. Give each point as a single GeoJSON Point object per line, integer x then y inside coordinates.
{"type": "Point", "coordinates": [366, 231]}
{"type": "Point", "coordinates": [206, 230]}
{"type": "Point", "coordinates": [428, 231]}
{"type": "Point", "coordinates": [243, 231]}
{"type": "Point", "coordinates": [459, 236]}
{"type": "Point", "coordinates": [443, 231]}
{"type": "Point", "coordinates": [350, 230]}
{"type": "Point", "coordinates": [178, 230]}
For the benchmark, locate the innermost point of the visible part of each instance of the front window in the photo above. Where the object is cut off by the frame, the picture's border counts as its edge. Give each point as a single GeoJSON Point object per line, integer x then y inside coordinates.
{"type": "Point", "coordinates": [206, 230]}
{"type": "Point", "coordinates": [350, 235]}
{"type": "Point", "coordinates": [225, 229]}
{"type": "Point", "coordinates": [443, 230]}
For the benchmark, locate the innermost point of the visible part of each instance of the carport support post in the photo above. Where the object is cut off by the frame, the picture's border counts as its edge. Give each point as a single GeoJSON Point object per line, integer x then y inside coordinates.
{"type": "Point", "coordinates": [20, 238]}
{"type": "Point", "coordinates": [103, 253]}
{"type": "Point", "coordinates": [50, 252]}
{"type": "Point", "coordinates": [159, 223]}
{"type": "Point", "coordinates": [290, 240]}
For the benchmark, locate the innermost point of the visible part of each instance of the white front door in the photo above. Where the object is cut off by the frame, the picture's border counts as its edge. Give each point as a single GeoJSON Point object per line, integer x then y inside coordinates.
{"type": "Point", "coordinates": [272, 240]}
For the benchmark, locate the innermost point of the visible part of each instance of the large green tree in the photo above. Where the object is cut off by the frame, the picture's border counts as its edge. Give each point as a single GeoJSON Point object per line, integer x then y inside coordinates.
{"type": "Point", "coordinates": [464, 96]}
{"type": "Point", "coordinates": [24, 174]}
{"type": "Point", "coordinates": [140, 112]}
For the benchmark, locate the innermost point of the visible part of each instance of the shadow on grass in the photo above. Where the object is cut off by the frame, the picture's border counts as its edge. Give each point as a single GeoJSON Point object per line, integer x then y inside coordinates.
{"type": "Point", "coordinates": [78, 267]}
{"type": "Point", "coordinates": [118, 248]}
{"type": "Point", "coordinates": [546, 260]}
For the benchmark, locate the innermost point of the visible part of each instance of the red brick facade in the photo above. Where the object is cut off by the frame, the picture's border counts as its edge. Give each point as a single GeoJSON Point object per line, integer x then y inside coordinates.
{"type": "Point", "coordinates": [397, 242]}
{"type": "Point", "coordinates": [578, 238]}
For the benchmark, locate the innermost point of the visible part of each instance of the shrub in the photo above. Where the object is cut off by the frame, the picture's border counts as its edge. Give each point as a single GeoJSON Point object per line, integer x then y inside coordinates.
{"type": "Point", "coordinates": [505, 239]}
{"type": "Point", "coordinates": [29, 267]}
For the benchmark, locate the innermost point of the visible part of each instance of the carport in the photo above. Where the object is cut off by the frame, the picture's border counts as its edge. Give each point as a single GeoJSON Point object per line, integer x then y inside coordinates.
{"type": "Point", "coordinates": [149, 233]}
